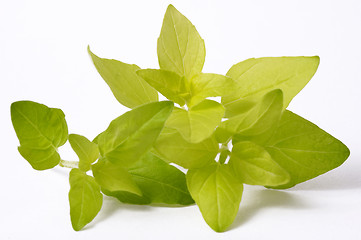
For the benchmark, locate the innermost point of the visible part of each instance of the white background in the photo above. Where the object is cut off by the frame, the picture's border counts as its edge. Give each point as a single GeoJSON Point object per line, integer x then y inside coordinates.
{"type": "Point", "coordinates": [43, 58]}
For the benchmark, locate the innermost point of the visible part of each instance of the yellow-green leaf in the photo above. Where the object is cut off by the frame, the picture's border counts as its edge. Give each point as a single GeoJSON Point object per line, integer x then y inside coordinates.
{"type": "Point", "coordinates": [128, 88]}
{"type": "Point", "coordinates": [199, 122]}
{"type": "Point", "coordinates": [256, 76]}
{"type": "Point", "coordinates": [169, 84]}
{"type": "Point", "coordinates": [85, 198]}
{"type": "Point", "coordinates": [40, 130]}
{"type": "Point", "coordinates": [172, 147]}
{"type": "Point", "coordinates": [131, 135]}
{"type": "Point", "coordinates": [217, 193]}
{"type": "Point", "coordinates": [180, 48]}
{"type": "Point", "coordinates": [113, 177]}
{"type": "Point", "coordinates": [86, 150]}
{"type": "Point", "coordinates": [254, 165]}
{"type": "Point", "coordinates": [206, 85]}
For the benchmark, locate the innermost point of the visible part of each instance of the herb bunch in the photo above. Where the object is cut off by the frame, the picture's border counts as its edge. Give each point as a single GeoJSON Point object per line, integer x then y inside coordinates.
{"type": "Point", "coordinates": [247, 138]}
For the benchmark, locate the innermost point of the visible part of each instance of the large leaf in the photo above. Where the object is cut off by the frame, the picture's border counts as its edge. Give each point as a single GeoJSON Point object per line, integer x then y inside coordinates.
{"type": "Point", "coordinates": [256, 76]}
{"type": "Point", "coordinates": [158, 181]}
{"type": "Point", "coordinates": [170, 84]}
{"type": "Point", "coordinates": [206, 85]}
{"type": "Point", "coordinates": [114, 178]}
{"type": "Point", "coordinates": [85, 199]}
{"type": "Point", "coordinates": [128, 88]}
{"type": "Point", "coordinates": [303, 149]}
{"type": "Point", "coordinates": [180, 48]}
{"type": "Point", "coordinates": [131, 135]}
{"type": "Point", "coordinates": [86, 150]}
{"type": "Point", "coordinates": [41, 130]}
{"type": "Point", "coordinates": [253, 165]}
{"type": "Point", "coordinates": [199, 122]}
{"type": "Point", "coordinates": [261, 118]}
{"type": "Point", "coordinates": [217, 193]}
{"type": "Point", "coordinates": [172, 147]}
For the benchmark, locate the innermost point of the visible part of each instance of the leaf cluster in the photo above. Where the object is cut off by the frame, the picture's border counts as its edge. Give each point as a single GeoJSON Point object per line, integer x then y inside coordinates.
{"type": "Point", "coordinates": [247, 138]}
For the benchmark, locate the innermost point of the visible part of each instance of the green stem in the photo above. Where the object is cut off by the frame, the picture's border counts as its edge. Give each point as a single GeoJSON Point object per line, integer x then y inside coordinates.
{"type": "Point", "coordinates": [68, 164]}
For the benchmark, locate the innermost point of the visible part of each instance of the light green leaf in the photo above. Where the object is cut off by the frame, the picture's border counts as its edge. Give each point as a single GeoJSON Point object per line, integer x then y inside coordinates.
{"type": "Point", "coordinates": [128, 88]}
{"type": "Point", "coordinates": [199, 122]}
{"type": "Point", "coordinates": [206, 85]}
{"type": "Point", "coordinates": [131, 135]}
{"type": "Point", "coordinates": [180, 48]}
{"type": "Point", "coordinates": [170, 84]}
{"type": "Point", "coordinates": [172, 147]}
{"type": "Point", "coordinates": [40, 130]}
{"type": "Point", "coordinates": [222, 135]}
{"type": "Point", "coordinates": [240, 106]}
{"type": "Point", "coordinates": [256, 76]}
{"type": "Point", "coordinates": [217, 193]}
{"type": "Point", "coordinates": [253, 165]}
{"type": "Point", "coordinates": [159, 182]}
{"type": "Point", "coordinates": [261, 118]}
{"type": "Point", "coordinates": [303, 149]}
{"type": "Point", "coordinates": [85, 199]}
{"type": "Point", "coordinates": [87, 151]}
{"type": "Point", "coordinates": [114, 178]}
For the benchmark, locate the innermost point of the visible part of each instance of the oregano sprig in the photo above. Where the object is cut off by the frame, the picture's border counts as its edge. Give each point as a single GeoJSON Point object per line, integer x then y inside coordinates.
{"type": "Point", "coordinates": [249, 137]}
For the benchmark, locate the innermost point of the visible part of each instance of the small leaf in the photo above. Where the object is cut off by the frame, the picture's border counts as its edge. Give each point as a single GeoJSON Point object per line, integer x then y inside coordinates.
{"type": "Point", "coordinates": [128, 88]}
{"type": "Point", "coordinates": [253, 165]}
{"type": "Point", "coordinates": [40, 130]}
{"type": "Point", "coordinates": [199, 122]}
{"type": "Point", "coordinates": [256, 76]}
{"type": "Point", "coordinates": [87, 151]}
{"type": "Point", "coordinates": [206, 85]}
{"type": "Point", "coordinates": [85, 199]}
{"type": "Point", "coordinates": [170, 84]}
{"type": "Point", "coordinates": [172, 147]}
{"type": "Point", "coordinates": [217, 193]}
{"type": "Point", "coordinates": [180, 48]}
{"type": "Point", "coordinates": [303, 149]}
{"type": "Point", "coordinates": [114, 178]}
{"type": "Point", "coordinates": [131, 135]}
{"type": "Point", "coordinates": [158, 181]}
{"type": "Point", "coordinates": [262, 117]}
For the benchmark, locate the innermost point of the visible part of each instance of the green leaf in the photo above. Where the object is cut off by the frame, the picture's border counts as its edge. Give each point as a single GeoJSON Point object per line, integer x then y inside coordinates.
{"type": "Point", "coordinates": [114, 178]}
{"type": "Point", "coordinates": [239, 106]}
{"type": "Point", "coordinates": [253, 165]}
{"type": "Point", "coordinates": [128, 88]}
{"type": "Point", "coordinates": [261, 118]}
{"type": "Point", "coordinates": [87, 151]}
{"type": "Point", "coordinates": [40, 130]}
{"type": "Point", "coordinates": [199, 122]}
{"type": "Point", "coordinates": [170, 84]}
{"type": "Point", "coordinates": [256, 76]}
{"type": "Point", "coordinates": [172, 147]}
{"type": "Point", "coordinates": [180, 48]}
{"type": "Point", "coordinates": [85, 199]}
{"type": "Point", "coordinates": [206, 85]}
{"type": "Point", "coordinates": [304, 150]}
{"type": "Point", "coordinates": [217, 193]}
{"type": "Point", "coordinates": [222, 135]}
{"type": "Point", "coordinates": [158, 181]}
{"type": "Point", "coordinates": [131, 135]}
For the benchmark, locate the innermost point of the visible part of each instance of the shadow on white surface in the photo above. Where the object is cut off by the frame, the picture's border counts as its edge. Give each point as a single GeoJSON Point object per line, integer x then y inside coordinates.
{"type": "Point", "coordinates": [346, 177]}
{"type": "Point", "coordinates": [259, 200]}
